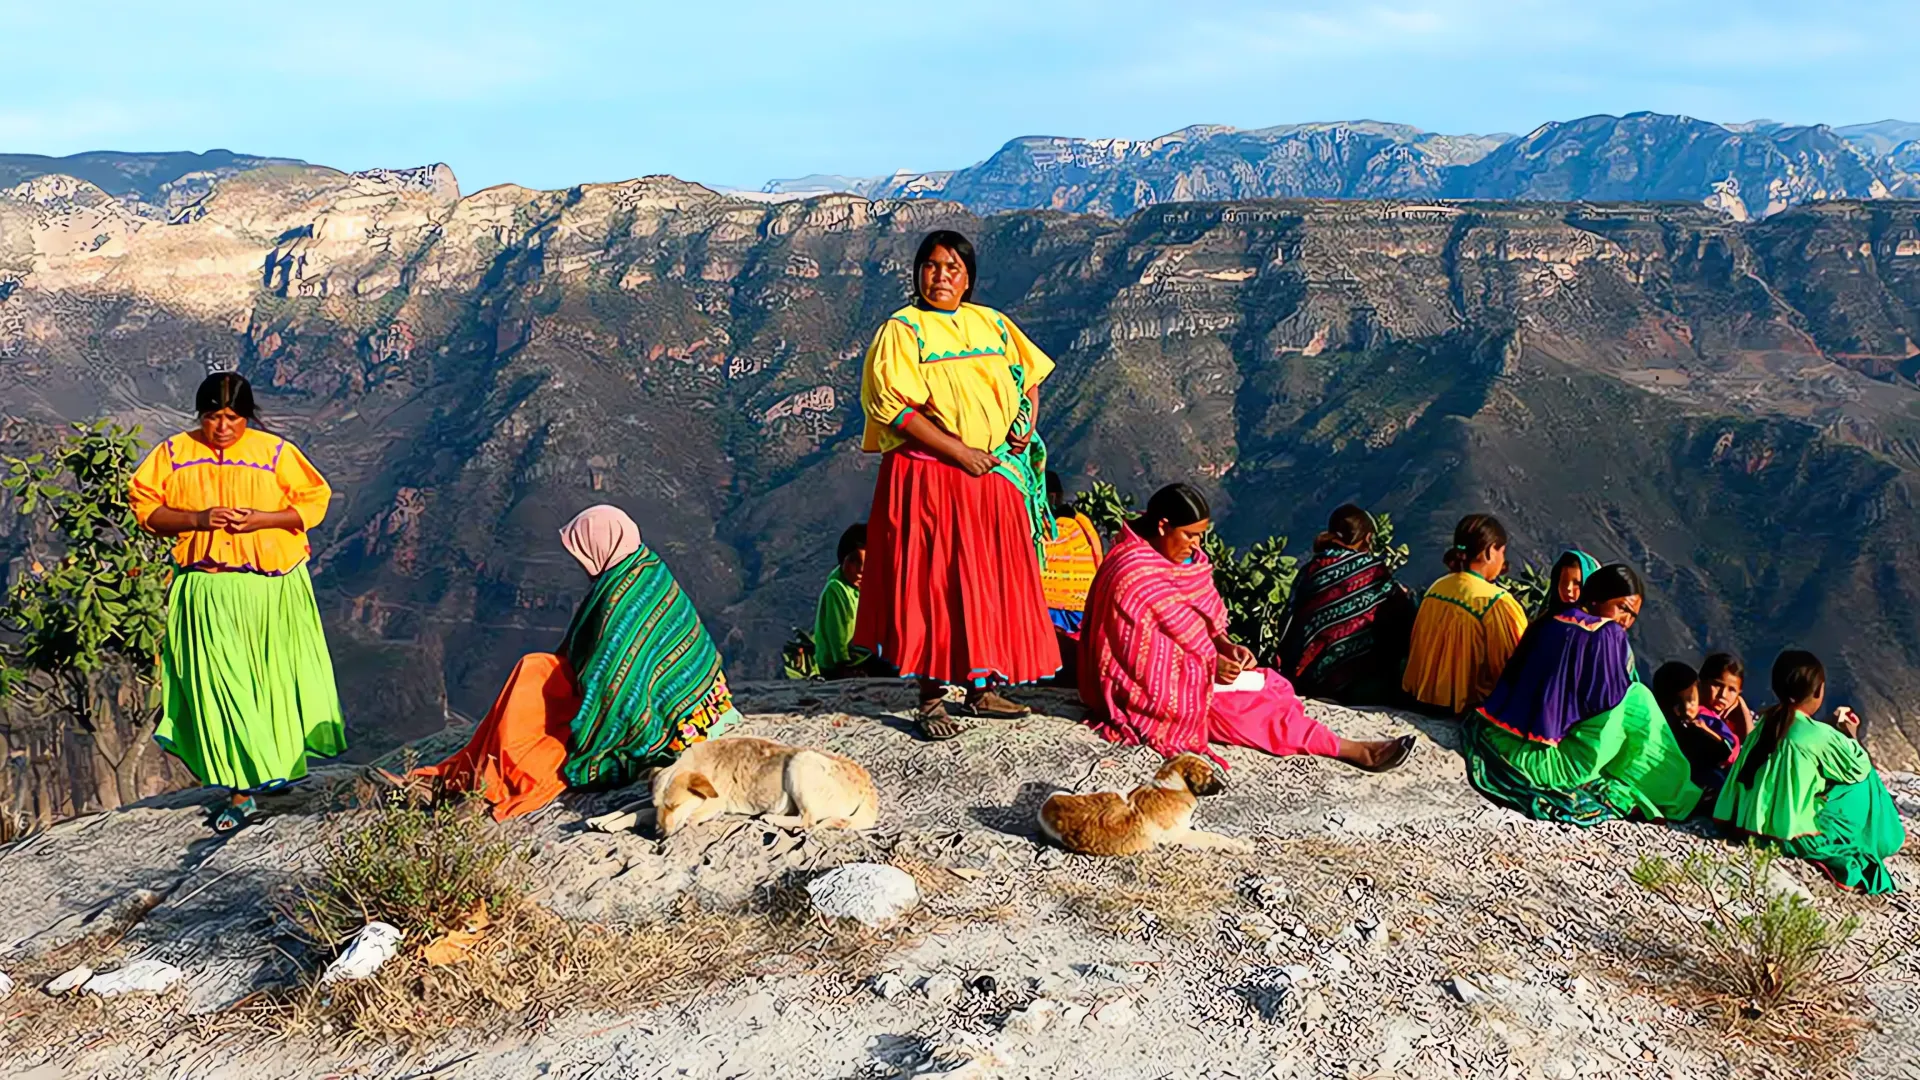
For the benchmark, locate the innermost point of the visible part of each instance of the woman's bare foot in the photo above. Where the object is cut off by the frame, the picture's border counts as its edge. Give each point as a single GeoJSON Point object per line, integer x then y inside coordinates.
{"type": "Point", "coordinates": [1377, 756]}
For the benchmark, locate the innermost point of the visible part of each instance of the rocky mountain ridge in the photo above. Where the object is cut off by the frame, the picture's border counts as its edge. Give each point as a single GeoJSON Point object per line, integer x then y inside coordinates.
{"type": "Point", "coordinates": [1730, 406]}
{"type": "Point", "coordinates": [1748, 170]}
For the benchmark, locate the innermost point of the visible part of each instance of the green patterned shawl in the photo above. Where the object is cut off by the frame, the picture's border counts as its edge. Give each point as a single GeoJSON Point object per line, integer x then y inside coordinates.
{"type": "Point", "coordinates": [649, 675]}
{"type": "Point", "coordinates": [1028, 471]}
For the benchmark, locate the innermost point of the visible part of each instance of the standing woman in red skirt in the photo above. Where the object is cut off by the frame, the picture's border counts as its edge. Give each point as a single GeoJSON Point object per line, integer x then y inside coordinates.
{"type": "Point", "coordinates": [952, 593]}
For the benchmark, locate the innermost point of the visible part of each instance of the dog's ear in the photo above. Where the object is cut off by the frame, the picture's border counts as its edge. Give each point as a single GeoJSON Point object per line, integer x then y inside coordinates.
{"type": "Point", "coordinates": [699, 785]}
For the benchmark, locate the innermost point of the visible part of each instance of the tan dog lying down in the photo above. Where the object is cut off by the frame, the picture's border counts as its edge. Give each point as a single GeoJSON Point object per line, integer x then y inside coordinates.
{"type": "Point", "coordinates": [790, 786]}
{"type": "Point", "coordinates": [1108, 823]}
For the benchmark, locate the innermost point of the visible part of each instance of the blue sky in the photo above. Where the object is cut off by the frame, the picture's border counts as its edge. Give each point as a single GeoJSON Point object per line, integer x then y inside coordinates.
{"type": "Point", "coordinates": [556, 93]}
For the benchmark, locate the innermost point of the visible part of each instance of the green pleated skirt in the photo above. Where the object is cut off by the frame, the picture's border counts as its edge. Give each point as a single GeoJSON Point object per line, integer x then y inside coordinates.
{"type": "Point", "coordinates": [1620, 763]}
{"type": "Point", "coordinates": [1859, 828]}
{"type": "Point", "coordinates": [248, 682]}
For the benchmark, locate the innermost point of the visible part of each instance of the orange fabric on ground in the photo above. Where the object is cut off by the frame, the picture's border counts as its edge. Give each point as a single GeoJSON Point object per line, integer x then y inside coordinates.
{"type": "Point", "coordinates": [515, 755]}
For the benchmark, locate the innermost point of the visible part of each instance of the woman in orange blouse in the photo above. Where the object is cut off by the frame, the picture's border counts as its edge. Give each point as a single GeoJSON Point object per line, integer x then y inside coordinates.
{"type": "Point", "coordinates": [248, 682]}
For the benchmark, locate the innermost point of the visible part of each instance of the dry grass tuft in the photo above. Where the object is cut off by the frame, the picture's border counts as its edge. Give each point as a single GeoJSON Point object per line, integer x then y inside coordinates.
{"type": "Point", "coordinates": [528, 968]}
{"type": "Point", "coordinates": [1184, 891]}
{"type": "Point", "coordinates": [32, 1022]}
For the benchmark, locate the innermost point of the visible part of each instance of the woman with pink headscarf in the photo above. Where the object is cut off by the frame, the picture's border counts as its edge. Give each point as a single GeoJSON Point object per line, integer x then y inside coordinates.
{"type": "Point", "coordinates": [636, 681]}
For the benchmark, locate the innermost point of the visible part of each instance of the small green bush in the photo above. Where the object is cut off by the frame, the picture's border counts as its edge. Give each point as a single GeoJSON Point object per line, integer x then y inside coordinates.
{"type": "Point", "coordinates": [1105, 506]}
{"type": "Point", "coordinates": [418, 867]}
{"type": "Point", "coordinates": [1394, 555]}
{"type": "Point", "coordinates": [1255, 586]}
{"type": "Point", "coordinates": [1530, 587]}
{"type": "Point", "coordinates": [1767, 950]}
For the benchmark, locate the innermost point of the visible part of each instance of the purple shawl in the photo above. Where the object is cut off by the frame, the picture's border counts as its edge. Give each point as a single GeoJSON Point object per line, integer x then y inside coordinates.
{"type": "Point", "coordinates": [1566, 669]}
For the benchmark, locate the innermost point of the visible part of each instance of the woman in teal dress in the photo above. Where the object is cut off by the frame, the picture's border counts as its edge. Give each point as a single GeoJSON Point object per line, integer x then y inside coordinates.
{"type": "Point", "coordinates": [1810, 788]}
{"type": "Point", "coordinates": [1570, 734]}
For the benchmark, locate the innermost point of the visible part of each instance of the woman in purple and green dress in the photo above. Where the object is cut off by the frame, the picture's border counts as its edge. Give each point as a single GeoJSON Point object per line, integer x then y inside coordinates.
{"type": "Point", "coordinates": [1569, 733]}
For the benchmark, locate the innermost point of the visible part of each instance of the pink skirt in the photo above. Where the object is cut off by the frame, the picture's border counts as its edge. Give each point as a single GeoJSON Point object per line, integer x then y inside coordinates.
{"type": "Point", "coordinates": [1270, 719]}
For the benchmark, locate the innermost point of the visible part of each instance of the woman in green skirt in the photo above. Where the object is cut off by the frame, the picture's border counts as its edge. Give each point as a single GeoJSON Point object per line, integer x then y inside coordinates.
{"type": "Point", "coordinates": [1569, 734]}
{"type": "Point", "coordinates": [248, 685]}
{"type": "Point", "coordinates": [1809, 787]}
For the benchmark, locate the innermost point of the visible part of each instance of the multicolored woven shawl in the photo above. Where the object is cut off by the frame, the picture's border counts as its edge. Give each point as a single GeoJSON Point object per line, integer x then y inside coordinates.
{"type": "Point", "coordinates": [649, 674]}
{"type": "Point", "coordinates": [1147, 648]}
{"type": "Point", "coordinates": [1340, 594]}
{"type": "Point", "coordinates": [1027, 470]}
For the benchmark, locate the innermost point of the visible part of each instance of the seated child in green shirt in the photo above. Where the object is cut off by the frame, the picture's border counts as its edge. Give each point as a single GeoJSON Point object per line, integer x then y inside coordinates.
{"type": "Point", "coordinates": [833, 618]}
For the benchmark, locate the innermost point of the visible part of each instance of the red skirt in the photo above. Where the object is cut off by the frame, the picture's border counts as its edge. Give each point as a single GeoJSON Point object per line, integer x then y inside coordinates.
{"type": "Point", "coordinates": [952, 585]}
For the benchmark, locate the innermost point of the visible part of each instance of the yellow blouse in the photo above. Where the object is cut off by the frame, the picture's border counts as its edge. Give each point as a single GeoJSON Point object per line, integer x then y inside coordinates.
{"type": "Point", "coordinates": [965, 371]}
{"type": "Point", "coordinates": [260, 472]}
{"type": "Point", "coordinates": [1465, 632]}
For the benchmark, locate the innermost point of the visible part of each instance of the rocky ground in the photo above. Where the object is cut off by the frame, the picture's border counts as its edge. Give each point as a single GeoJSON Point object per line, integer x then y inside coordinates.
{"type": "Point", "coordinates": [1387, 926]}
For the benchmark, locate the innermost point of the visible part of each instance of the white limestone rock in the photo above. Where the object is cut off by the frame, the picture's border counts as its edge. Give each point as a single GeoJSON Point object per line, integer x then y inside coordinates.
{"type": "Point", "coordinates": [870, 893]}
{"type": "Point", "coordinates": [138, 977]}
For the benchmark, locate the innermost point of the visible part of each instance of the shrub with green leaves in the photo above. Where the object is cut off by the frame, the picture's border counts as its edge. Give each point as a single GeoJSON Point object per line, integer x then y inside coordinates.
{"type": "Point", "coordinates": [1764, 948]}
{"type": "Point", "coordinates": [1105, 506]}
{"type": "Point", "coordinates": [1394, 555]}
{"type": "Point", "coordinates": [1530, 587]}
{"type": "Point", "coordinates": [418, 867]}
{"type": "Point", "coordinates": [87, 616]}
{"type": "Point", "coordinates": [1255, 585]}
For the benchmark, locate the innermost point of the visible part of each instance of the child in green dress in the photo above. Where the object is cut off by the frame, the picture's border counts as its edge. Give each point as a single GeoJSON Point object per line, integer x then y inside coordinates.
{"type": "Point", "coordinates": [1809, 786]}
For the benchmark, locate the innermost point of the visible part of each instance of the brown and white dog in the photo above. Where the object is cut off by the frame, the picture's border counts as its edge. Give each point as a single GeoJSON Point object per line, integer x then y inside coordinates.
{"type": "Point", "coordinates": [1109, 823]}
{"type": "Point", "coordinates": [790, 786]}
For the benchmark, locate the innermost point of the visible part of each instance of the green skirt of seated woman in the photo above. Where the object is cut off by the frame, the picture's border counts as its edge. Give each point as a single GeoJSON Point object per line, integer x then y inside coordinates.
{"type": "Point", "coordinates": [1859, 828]}
{"type": "Point", "coordinates": [1609, 766]}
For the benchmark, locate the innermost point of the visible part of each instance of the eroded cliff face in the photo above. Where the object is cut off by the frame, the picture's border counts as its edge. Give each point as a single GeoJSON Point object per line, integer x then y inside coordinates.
{"type": "Point", "coordinates": [1729, 406]}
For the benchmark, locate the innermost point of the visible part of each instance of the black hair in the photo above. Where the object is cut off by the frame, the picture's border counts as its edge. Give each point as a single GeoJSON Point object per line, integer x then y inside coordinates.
{"type": "Point", "coordinates": [1614, 581]}
{"type": "Point", "coordinates": [1178, 505]}
{"type": "Point", "coordinates": [1568, 560]}
{"type": "Point", "coordinates": [1718, 664]}
{"type": "Point", "coordinates": [854, 539]}
{"type": "Point", "coordinates": [1554, 605]}
{"type": "Point", "coordinates": [954, 242]}
{"type": "Point", "coordinates": [1671, 680]}
{"type": "Point", "coordinates": [1348, 527]}
{"type": "Point", "coordinates": [1056, 493]}
{"type": "Point", "coordinates": [225, 390]}
{"type": "Point", "coordinates": [1797, 676]}
{"type": "Point", "coordinates": [1476, 535]}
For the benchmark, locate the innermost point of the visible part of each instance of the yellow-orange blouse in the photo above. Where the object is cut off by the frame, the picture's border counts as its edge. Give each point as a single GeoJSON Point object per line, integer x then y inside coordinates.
{"type": "Point", "coordinates": [1465, 631]}
{"type": "Point", "coordinates": [966, 371]}
{"type": "Point", "coordinates": [260, 472]}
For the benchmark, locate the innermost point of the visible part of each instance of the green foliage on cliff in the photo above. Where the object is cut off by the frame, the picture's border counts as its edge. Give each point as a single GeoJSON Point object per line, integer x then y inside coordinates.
{"type": "Point", "coordinates": [99, 596]}
{"type": "Point", "coordinates": [1105, 506]}
{"type": "Point", "coordinates": [1255, 585]}
{"type": "Point", "coordinates": [83, 622]}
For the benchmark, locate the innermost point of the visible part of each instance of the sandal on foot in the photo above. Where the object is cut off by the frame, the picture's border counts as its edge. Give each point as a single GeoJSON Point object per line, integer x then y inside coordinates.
{"type": "Point", "coordinates": [991, 706]}
{"type": "Point", "coordinates": [1402, 750]}
{"type": "Point", "coordinates": [233, 817]}
{"type": "Point", "coordinates": [933, 722]}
